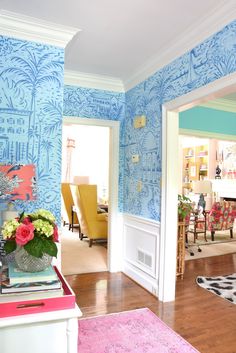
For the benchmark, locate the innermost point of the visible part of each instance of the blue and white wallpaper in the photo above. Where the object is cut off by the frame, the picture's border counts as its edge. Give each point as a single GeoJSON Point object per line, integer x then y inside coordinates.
{"type": "Point", "coordinates": [31, 109]}
{"type": "Point", "coordinates": [97, 104]}
{"type": "Point", "coordinates": [31, 99]}
{"type": "Point", "coordinates": [93, 103]}
{"type": "Point", "coordinates": [210, 60]}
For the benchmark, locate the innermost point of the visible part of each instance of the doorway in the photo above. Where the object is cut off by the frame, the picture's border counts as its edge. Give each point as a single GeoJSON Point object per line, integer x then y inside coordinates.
{"type": "Point", "coordinates": [85, 160]}
{"type": "Point", "coordinates": [170, 131]}
{"type": "Point", "coordinates": [114, 244]}
{"type": "Point", "coordinates": [200, 157]}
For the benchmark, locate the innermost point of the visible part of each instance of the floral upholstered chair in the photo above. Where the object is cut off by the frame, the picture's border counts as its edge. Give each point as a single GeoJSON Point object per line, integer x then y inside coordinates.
{"type": "Point", "coordinates": [221, 217]}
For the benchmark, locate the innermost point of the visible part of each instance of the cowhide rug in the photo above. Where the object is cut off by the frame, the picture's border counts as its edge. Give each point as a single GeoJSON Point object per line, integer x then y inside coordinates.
{"type": "Point", "coordinates": [224, 286]}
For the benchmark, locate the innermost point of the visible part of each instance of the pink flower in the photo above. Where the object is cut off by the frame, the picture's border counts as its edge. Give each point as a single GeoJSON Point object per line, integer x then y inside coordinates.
{"type": "Point", "coordinates": [55, 234]}
{"type": "Point", "coordinates": [24, 233]}
{"type": "Point", "coordinates": [26, 220]}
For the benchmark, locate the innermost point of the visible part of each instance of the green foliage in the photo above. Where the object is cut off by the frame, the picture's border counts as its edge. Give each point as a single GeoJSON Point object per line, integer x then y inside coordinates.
{"type": "Point", "coordinates": [10, 246]}
{"type": "Point", "coordinates": [35, 247]}
{"type": "Point", "coordinates": [50, 248]}
{"type": "Point", "coordinates": [185, 207]}
{"type": "Point", "coordinates": [38, 246]}
{"type": "Point", "coordinates": [21, 217]}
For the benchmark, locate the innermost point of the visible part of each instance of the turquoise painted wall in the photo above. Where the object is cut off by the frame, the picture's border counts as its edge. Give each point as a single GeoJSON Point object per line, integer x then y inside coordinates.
{"type": "Point", "coordinates": [207, 119]}
{"type": "Point", "coordinates": [31, 99]}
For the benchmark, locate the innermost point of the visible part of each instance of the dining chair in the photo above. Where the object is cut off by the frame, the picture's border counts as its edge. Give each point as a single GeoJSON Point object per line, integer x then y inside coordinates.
{"type": "Point", "coordinates": [93, 224]}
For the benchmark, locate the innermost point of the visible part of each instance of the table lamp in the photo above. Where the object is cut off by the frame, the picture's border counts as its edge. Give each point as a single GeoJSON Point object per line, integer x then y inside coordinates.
{"type": "Point", "coordinates": [202, 187]}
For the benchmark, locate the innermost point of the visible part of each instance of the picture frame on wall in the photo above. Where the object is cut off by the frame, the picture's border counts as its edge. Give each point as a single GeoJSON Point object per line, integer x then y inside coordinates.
{"type": "Point", "coordinates": [22, 177]}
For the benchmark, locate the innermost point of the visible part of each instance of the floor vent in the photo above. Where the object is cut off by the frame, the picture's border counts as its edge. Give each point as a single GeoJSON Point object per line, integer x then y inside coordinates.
{"type": "Point", "coordinates": [144, 258]}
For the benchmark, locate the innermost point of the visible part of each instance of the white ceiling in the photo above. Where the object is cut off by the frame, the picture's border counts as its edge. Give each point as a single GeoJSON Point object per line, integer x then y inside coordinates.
{"type": "Point", "coordinates": [119, 37]}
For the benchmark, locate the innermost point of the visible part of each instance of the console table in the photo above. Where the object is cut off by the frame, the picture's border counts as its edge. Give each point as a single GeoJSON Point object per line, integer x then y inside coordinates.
{"type": "Point", "coordinates": [50, 332]}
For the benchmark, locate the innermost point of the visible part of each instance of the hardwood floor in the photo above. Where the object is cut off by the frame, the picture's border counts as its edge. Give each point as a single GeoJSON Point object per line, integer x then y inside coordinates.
{"type": "Point", "coordinates": [205, 320]}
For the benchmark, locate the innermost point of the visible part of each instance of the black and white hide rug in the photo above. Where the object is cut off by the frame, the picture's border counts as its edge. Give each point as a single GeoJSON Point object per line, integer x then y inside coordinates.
{"type": "Point", "coordinates": [224, 286]}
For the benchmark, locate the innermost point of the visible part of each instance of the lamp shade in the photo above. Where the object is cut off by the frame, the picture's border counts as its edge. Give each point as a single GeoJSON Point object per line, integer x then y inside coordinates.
{"type": "Point", "coordinates": [81, 179]}
{"type": "Point", "coordinates": [202, 187]}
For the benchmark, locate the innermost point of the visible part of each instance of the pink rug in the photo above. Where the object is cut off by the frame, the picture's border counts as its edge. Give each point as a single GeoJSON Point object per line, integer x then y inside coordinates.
{"type": "Point", "coordinates": [136, 331]}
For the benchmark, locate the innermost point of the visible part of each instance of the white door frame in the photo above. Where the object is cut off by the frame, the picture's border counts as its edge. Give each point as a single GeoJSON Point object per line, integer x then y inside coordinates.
{"type": "Point", "coordinates": [114, 219]}
{"type": "Point", "coordinates": [170, 131]}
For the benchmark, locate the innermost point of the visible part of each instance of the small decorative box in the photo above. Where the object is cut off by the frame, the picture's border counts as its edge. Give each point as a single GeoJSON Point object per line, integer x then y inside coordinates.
{"type": "Point", "coordinates": [23, 307]}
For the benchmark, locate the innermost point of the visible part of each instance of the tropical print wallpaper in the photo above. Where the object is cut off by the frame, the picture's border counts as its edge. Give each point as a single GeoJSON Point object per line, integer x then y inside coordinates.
{"type": "Point", "coordinates": [210, 60]}
{"type": "Point", "coordinates": [97, 104]}
{"type": "Point", "coordinates": [93, 103]}
{"type": "Point", "coordinates": [31, 109]}
{"type": "Point", "coordinates": [31, 98]}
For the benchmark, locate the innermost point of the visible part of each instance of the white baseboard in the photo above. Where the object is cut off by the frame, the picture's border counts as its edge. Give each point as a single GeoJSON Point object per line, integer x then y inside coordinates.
{"type": "Point", "coordinates": [145, 281]}
{"type": "Point", "coordinates": [141, 251]}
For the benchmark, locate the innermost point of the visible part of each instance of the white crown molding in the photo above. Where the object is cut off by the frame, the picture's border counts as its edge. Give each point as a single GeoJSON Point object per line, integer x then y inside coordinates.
{"type": "Point", "coordinates": [33, 29]}
{"type": "Point", "coordinates": [222, 15]}
{"type": "Point", "coordinates": [75, 78]}
{"type": "Point", "coordinates": [207, 134]}
{"type": "Point", "coordinates": [221, 104]}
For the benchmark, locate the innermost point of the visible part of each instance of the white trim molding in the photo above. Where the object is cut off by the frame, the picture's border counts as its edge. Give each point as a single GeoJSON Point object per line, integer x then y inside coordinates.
{"type": "Point", "coordinates": [222, 14]}
{"type": "Point", "coordinates": [170, 131]}
{"type": "Point", "coordinates": [115, 225]}
{"type": "Point", "coordinates": [141, 251]}
{"type": "Point", "coordinates": [87, 80]}
{"type": "Point", "coordinates": [207, 134]}
{"type": "Point", "coordinates": [221, 104]}
{"type": "Point", "coordinates": [36, 30]}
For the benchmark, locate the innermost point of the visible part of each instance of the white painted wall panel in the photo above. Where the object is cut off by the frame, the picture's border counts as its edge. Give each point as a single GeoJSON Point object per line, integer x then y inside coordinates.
{"type": "Point", "coordinates": [141, 235]}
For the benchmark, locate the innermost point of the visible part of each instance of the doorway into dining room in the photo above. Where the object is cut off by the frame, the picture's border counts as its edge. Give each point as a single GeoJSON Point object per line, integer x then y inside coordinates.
{"type": "Point", "coordinates": [88, 153]}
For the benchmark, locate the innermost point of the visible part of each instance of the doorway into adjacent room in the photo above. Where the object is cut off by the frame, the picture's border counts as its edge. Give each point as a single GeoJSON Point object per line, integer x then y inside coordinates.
{"type": "Point", "coordinates": [90, 156]}
{"type": "Point", "coordinates": [199, 158]}
{"type": "Point", "coordinates": [216, 89]}
{"type": "Point", "coordinates": [85, 160]}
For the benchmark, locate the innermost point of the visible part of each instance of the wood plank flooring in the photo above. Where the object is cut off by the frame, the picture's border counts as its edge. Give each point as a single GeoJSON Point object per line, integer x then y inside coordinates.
{"type": "Point", "coordinates": [203, 319]}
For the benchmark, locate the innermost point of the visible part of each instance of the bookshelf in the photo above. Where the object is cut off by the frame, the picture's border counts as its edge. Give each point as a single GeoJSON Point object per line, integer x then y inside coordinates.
{"type": "Point", "coordinates": [195, 165]}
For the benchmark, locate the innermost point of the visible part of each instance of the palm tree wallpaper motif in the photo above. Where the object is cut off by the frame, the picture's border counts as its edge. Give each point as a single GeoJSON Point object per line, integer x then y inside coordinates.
{"type": "Point", "coordinates": [210, 60]}
{"type": "Point", "coordinates": [47, 146]}
{"type": "Point", "coordinates": [31, 101]}
{"type": "Point", "coordinates": [34, 73]}
{"type": "Point", "coordinates": [93, 103]}
{"type": "Point", "coordinates": [33, 79]}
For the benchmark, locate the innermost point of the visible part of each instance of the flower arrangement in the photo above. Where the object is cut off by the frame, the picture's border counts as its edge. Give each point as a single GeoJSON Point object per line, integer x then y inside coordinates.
{"type": "Point", "coordinates": [36, 232]}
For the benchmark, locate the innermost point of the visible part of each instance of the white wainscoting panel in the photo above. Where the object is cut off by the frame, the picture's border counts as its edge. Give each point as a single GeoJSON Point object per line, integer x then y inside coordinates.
{"type": "Point", "coordinates": [141, 251]}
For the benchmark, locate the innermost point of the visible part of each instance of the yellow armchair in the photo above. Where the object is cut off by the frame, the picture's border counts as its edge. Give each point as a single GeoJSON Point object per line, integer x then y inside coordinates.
{"type": "Point", "coordinates": [67, 203]}
{"type": "Point", "coordinates": [92, 224]}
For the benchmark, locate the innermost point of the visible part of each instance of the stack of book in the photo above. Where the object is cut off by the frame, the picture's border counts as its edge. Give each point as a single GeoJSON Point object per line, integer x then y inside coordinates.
{"type": "Point", "coordinates": [19, 285]}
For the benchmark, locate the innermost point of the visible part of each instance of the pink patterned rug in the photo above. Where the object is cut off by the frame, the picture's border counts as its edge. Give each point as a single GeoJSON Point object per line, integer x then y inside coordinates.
{"type": "Point", "coordinates": [136, 331]}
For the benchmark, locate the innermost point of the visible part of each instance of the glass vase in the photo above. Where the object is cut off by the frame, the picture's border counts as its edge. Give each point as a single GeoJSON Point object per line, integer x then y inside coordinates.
{"type": "Point", "coordinates": [28, 263]}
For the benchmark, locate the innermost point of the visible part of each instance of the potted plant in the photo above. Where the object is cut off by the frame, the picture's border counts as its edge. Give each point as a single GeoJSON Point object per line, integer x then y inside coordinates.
{"type": "Point", "coordinates": [185, 207]}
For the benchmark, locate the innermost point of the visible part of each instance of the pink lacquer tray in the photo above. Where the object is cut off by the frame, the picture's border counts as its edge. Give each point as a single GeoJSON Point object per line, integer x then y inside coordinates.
{"type": "Point", "coordinates": [18, 307]}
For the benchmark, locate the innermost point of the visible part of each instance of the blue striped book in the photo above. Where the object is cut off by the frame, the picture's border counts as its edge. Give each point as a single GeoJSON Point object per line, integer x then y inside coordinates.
{"type": "Point", "coordinates": [6, 287]}
{"type": "Point", "coordinates": [18, 276]}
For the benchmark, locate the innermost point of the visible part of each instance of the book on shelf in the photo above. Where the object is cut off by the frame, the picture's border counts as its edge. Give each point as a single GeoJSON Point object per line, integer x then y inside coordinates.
{"type": "Point", "coordinates": [18, 276]}
{"type": "Point", "coordinates": [7, 287]}
{"type": "Point", "coordinates": [23, 296]}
